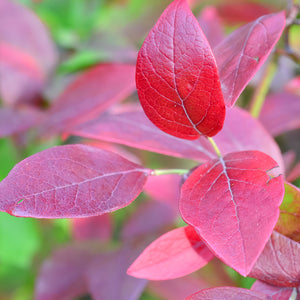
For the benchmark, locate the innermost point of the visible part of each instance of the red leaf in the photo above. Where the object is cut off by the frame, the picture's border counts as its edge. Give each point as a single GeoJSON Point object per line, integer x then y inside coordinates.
{"type": "Point", "coordinates": [93, 92]}
{"type": "Point", "coordinates": [242, 53]}
{"type": "Point", "coordinates": [92, 228]}
{"type": "Point", "coordinates": [227, 293]}
{"type": "Point", "coordinates": [279, 263]}
{"type": "Point", "coordinates": [288, 223]}
{"type": "Point", "coordinates": [274, 292]}
{"type": "Point", "coordinates": [70, 181]}
{"type": "Point", "coordinates": [27, 53]}
{"type": "Point", "coordinates": [14, 121]}
{"type": "Point", "coordinates": [221, 200]}
{"type": "Point", "coordinates": [175, 254]}
{"type": "Point", "coordinates": [280, 113]}
{"type": "Point", "coordinates": [177, 78]}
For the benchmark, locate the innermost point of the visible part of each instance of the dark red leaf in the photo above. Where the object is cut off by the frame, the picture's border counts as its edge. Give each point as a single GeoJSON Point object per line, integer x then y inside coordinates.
{"type": "Point", "coordinates": [242, 53]}
{"type": "Point", "coordinates": [175, 254]}
{"type": "Point", "coordinates": [288, 223]}
{"type": "Point", "coordinates": [280, 113]}
{"type": "Point", "coordinates": [233, 202]}
{"type": "Point", "coordinates": [27, 53]}
{"type": "Point", "coordinates": [210, 23]}
{"type": "Point", "coordinates": [93, 228]}
{"type": "Point", "coordinates": [177, 78]}
{"type": "Point", "coordinates": [14, 121]}
{"type": "Point", "coordinates": [227, 293]}
{"type": "Point", "coordinates": [279, 263]}
{"type": "Point", "coordinates": [71, 181]}
{"type": "Point", "coordinates": [274, 292]}
{"type": "Point", "coordinates": [108, 280]}
{"type": "Point", "coordinates": [62, 276]}
{"type": "Point", "coordinates": [90, 94]}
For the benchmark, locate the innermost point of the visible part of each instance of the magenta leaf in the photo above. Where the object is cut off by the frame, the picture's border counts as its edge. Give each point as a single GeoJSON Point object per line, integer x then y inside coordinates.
{"type": "Point", "coordinates": [71, 181]}
{"type": "Point", "coordinates": [274, 292]}
{"type": "Point", "coordinates": [242, 53]}
{"type": "Point", "coordinates": [177, 78]}
{"type": "Point", "coordinates": [25, 62]}
{"type": "Point", "coordinates": [14, 120]}
{"type": "Point", "coordinates": [288, 223]}
{"type": "Point", "coordinates": [227, 293]}
{"type": "Point", "coordinates": [279, 263]}
{"type": "Point", "coordinates": [93, 228]}
{"type": "Point", "coordinates": [174, 254]}
{"type": "Point", "coordinates": [90, 94]}
{"type": "Point", "coordinates": [280, 113]}
{"type": "Point", "coordinates": [221, 200]}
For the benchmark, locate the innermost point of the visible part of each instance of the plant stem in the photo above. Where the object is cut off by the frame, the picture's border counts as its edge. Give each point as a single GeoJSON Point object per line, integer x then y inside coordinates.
{"type": "Point", "coordinates": [169, 171]}
{"type": "Point", "coordinates": [216, 148]}
{"type": "Point", "coordinates": [262, 89]}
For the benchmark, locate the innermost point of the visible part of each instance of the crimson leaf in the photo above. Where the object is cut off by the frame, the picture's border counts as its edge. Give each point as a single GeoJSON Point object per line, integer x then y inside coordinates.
{"type": "Point", "coordinates": [243, 52]}
{"type": "Point", "coordinates": [71, 181]}
{"type": "Point", "coordinates": [221, 200]}
{"type": "Point", "coordinates": [177, 78]}
{"type": "Point", "coordinates": [174, 254]}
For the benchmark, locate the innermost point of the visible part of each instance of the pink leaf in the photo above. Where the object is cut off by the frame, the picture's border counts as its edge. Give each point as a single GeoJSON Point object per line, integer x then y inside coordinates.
{"type": "Point", "coordinates": [175, 254]}
{"type": "Point", "coordinates": [93, 228]}
{"type": "Point", "coordinates": [221, 200]}
{"type": "Point", "coordinates": [274, 292]}
{"type": "Point", "coordinates": [242, 53]}
{"type": "Point", "coordinates": [279, 263]}
{"type": "Point", "coordinates": [293, 86]}
{"type": "Point", "coordinates": [14, 121]}
{"type": "Point", "coordinates": [27, 53]}
{"type": "Point", "coordinates": [227, 293]}
{"type": "Point", "coordinates": [295, 173]}
{"type": "Point", "coordinates": [177, 78]}
{"type": "Point", "coordinates": [280, 113]}
{"type": "Point", "coordinates": [92, 93]}
{"type": "Point", "coordinates": [71, 181]}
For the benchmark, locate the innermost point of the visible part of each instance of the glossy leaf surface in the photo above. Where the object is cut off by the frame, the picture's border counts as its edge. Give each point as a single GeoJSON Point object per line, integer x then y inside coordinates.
{"type": "Point", "coordinates": [175, 254]}
{"type": "Point", "coordinates": [227, 293]}
{"type": "Point", "coordinates": [70, 181]}
{"type": "Point", "coordinates": [90, 94]}
{"type": "Point", "coordinates": [177, 78]}
{"type": "Point", "coordinates": [279, 263]}
{"type": "Point", "coordinates": [242, 53]}
{"type": "Point", "coordinates": [288, 223]}
{"type": "Point", "coordinates": [233, 203]}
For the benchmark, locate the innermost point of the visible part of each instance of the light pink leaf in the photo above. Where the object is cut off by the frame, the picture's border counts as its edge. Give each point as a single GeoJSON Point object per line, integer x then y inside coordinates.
{"type": "Point", "coordinates": [293, 86]}
{"type": "Point", "coordinates": [233, 203]}
{"type": "Point", "coordinates": [90, 94]}
{"type": "Point", "coordinates": [279, 263]}
{"type": "Point", "coordinates": [295, 173]}
{"type": "Point", "coordinates": [14, 121]}
{"type": "Point", "coordinates": [242, 53]}
{"type": "Point", "coordinates": [227, 293]}
{"type": "Point", "coordinates": [92, 228]}
{"type": "Point", "coordinates": [27, 53]}
{"type": "Point", "coordinates": [274, 292]}
{"type": "Point", "coordinates": [280, 113]}
{"type": "Point", "coordinates": [71, 181]}
{"type": "Point", "coordinates": [175, 254]}
{"type": "Point", "coordinates": [177, 77]}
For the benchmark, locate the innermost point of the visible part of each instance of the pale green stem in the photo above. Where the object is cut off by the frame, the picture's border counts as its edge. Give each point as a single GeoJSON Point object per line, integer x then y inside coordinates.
{"type": "Point", "coordinates": [216, 148]}
{"type": "Point", "coordinates": [169, 171]}
{"type": "Point", "coordinates": [262, 89]}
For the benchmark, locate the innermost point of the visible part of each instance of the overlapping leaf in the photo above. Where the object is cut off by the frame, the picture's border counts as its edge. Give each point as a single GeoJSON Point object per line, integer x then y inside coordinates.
{"type": "Point", "coordinates": [243, 52]}
{"type": "Point", "coordinates": [175, 254]}
{"type": "Point", "coordinates": [233, 202]}
{"type": "Point", "coordinates": [177, 78]}
{"type": "Point", "coordinates": [279, 263]}
{"type": "Point", "coordinates": [71, 181]}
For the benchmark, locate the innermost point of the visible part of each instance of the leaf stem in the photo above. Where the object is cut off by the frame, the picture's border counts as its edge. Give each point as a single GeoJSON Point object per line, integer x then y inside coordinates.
{"type": "Point", "coordinates": [263, 88]}
{"type": "Point", "coordinates": [169, 171]}
{"type": "Point", "coordinates": [216, 148]}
